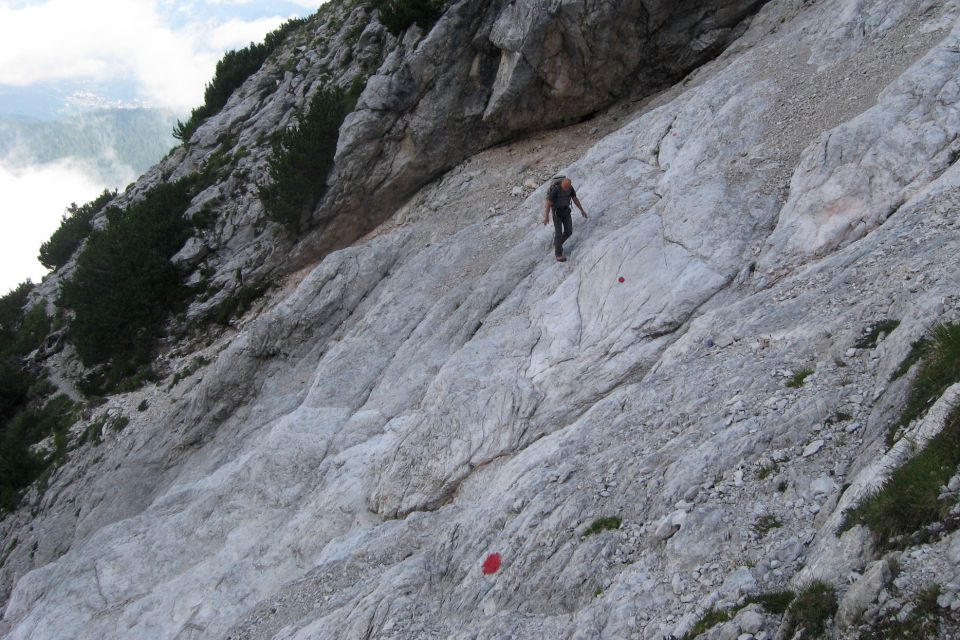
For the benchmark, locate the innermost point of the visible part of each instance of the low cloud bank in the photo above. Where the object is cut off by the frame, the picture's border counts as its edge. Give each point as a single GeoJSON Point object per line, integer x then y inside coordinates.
{"type": "Point", "coordinates": [33, 200]}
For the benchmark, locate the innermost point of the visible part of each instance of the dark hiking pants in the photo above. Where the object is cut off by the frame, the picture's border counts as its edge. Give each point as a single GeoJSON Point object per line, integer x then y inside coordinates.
{"type": "Point", "coordinates": [563, 228]}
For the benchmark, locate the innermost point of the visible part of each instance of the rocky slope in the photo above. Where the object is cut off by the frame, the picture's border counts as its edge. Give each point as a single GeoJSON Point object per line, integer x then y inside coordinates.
{"type": "Point", "coordinates": [441, 389]}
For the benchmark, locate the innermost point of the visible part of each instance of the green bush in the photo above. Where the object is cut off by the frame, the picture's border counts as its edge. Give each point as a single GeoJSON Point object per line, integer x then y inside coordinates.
{"type": "Point", "coordinates": [34, 328]}
{"type": "Point", "coordinates": [398, 15]}
{"type": "Point", "coordinates": [303, 156]}
{"type": "Point", "coordinates": [11, 312]}
{"type": "Point", "coordinates": [14, 386]}
{"type": "Point", "coordinates": [19, 467]}
{"type": "Point", "coordinates": [125, 287]}
{"type": "Point", "coordinates": [231, 72]}
{"type": "Point", "coordinates": [20, 333]}
{"type": "Point", "coordinates": [74, 228]}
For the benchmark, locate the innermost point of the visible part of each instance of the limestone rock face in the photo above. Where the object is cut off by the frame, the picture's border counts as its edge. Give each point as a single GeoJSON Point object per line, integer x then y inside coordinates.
{"type": "Point", "coordinates": [442, 390]}
{"type": "Point", "coordinates": [490, 70]}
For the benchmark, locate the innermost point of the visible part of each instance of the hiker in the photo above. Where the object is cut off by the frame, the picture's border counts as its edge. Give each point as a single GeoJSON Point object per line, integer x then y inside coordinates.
{"type": "Point", "coordinates": [558, 199]}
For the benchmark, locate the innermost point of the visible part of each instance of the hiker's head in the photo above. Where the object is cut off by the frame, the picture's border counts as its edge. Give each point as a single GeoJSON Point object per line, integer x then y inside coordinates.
{"type": "Point", "coordinates": [566, 184]}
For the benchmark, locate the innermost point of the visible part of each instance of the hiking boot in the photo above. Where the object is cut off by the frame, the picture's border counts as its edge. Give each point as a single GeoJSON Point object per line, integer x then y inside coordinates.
{"type": "Point", "coordinates": [561, 259]}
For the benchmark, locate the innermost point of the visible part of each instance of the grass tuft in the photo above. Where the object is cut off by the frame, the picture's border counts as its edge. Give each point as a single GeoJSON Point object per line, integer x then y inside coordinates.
{"type": "Point", "coordinates": [710, 618]}
{"type": "Point", "coordinates": [195, 365]}
{"type": "Point", "coordinates": [810, 610]}
{"type": "Point", "coordinates": [917, 350]}
{"type": "Point", "coordinates": [940, 368]}
{"type": "Point", "coordinates": [775, 602]}
{"type": "Point", "coordinates": [765, 524]}
{"type": "Point", "coordinates": [603, 524]}
{"type": "Point", "coordinates": [873, 332]}
{"type": "Point", "coordinates": [838, 417]}
{"type": "Point", "coordinates": [798, 378]}
{"type": "Point", "coordinates": [908, 500]}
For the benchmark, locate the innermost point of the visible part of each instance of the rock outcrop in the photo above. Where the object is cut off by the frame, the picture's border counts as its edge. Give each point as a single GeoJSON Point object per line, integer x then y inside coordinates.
{"type": "Point", "coordinates": [442, 390]}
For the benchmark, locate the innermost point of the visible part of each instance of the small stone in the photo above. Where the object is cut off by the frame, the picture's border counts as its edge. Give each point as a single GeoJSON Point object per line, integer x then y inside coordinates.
{"type": "Point", "coordinates": [905, 612]}
{"type": "Point", "coordinates": [516, 191]}
{"type": "Point", "coordinates": [750, 622]}
{"type": "Point", "coordinates": [677, 584]}
{"type": "Point", "coordinates": [739, 583]}
{"type": "Point", "coordinates": [853, 426]}
{"type": "Point", "coordinates": [812, 448]}
{"type": "Point", "coordinates": [823, 486]}
{"type": "Point", "coordinates": [665, 529]}
{"type": "Point", "coordinates": [954, 484]}
{"type": "Point", "coordinates": [851, 352]}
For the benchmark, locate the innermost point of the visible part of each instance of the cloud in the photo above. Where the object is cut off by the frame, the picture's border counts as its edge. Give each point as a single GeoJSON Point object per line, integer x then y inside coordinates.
{"type": "Point", "coordinates": [34, 199]}
{"type": "Point", "coordinates": [236, 33]}
{"type": "Point", "coordinates": [106, 39]}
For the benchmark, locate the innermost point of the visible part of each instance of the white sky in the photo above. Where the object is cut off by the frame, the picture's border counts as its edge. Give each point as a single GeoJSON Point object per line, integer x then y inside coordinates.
{"type": "Point", "coordinates": [166, 48]}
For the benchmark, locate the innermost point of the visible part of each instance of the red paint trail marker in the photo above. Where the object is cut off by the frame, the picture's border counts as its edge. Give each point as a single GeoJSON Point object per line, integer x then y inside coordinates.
{"type": "Point", "coordinates": [621, 280]}
{"type": "Point", "coordinates": [491, 564]}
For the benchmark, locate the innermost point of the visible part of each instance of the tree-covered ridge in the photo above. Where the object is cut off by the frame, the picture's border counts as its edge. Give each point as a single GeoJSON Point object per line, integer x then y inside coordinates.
{"type": "Point", "coordinates": [125, 287]}
{"type": "Point", "coordinates": [74, 229]}
{"type": "Point", "coordinates": [231, 72]}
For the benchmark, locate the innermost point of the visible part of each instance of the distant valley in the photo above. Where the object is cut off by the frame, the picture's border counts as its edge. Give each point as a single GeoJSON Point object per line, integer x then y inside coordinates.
{"type": "Point", "coordinates": [113, 145]}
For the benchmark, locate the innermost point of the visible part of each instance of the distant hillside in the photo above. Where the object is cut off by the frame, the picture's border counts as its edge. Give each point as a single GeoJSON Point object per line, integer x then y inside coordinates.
{"type": "Point", "coordinates": [115, 143]}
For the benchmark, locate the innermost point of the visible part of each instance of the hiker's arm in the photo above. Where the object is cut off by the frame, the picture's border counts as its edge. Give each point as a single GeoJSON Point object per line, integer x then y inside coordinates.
{"type": "Point", "coordinates": [547, 205]}
{"type": "Point", "coordinates": [576, 201]}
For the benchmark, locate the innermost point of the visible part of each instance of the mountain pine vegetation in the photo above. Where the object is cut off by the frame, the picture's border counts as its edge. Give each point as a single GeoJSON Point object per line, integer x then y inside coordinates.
{"type": "Point", "coordinates": [231, 72]}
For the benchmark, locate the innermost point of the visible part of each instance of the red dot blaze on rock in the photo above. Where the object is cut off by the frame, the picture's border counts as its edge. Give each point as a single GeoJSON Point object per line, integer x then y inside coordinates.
{"type": "Point", "coordinates": [621, 279]}
{"type": "Point", "coordinates": [491, 564]}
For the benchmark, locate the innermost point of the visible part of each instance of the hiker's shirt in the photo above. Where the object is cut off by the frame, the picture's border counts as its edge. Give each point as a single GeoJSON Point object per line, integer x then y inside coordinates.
{"type": "Point", "coordinates": [559, 198]}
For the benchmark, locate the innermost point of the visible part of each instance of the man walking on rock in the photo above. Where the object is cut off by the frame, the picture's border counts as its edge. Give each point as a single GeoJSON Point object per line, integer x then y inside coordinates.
{"type": "Point", "coordinates": [558, 199]}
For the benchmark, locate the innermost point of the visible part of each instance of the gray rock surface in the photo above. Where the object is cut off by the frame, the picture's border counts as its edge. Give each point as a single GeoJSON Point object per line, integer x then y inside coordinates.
{"type": "Point", "coordinates": [442, 390]}
{"type": "Point", "coordinates": [863, 593]}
